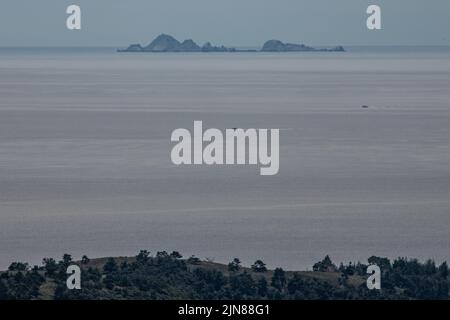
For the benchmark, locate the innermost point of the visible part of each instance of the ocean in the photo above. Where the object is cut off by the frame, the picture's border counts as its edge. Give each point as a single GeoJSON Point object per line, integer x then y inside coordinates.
{"type": "Point", "coordinates": [85, 155]}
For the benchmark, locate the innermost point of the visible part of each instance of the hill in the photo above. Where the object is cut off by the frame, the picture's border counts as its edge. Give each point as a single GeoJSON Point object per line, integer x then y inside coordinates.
{"type": "Point", "coordinates": [170, 277]}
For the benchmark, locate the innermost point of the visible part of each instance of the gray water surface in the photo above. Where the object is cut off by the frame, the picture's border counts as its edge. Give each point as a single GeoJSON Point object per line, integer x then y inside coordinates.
{"type": "Point", "coordinates": [85, 155]}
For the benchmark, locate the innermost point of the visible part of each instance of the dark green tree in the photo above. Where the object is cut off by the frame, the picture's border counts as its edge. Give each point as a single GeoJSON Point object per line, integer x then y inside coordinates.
{"type": "Point", "coordinates": [243, 286]}
{"type": "Point", "coordinates": [259, 266]}
{"type": "Point", "coordinates": [443, 270]}
{"type": "Point", "coordinates": [143, 257]}
{"type": "Point", "coordinates": [383, 263]}
{"type": "Point", "coordinates": [234, 265]}
{"type": "Point", "coordinates": [50, 266]}
{"type": "Point", "coordinates": [193, 260]}
{"type": "Point", "coordinates": [85, 259]}
{"type": "Point", "coordinates": [110, 266]}
{"type": "Point", "coordinates": [430, 267]}
{"type": "Point", "coordinates": [326, 265]}
{"type": "Point", "coordinates": [262, 287]}
{"type": "Point", "coordinates": [66, 260]}
{"type": "Point", "coordinates": [176, 255]}
{"type": "Point", "coordinates": [278, 279]}
{"type": "Point", "coordinates": [19, 266]}
{"type": "Point", "coordinates": [162, 255]}
{"type": "Point", "coordinates": [3, 291]}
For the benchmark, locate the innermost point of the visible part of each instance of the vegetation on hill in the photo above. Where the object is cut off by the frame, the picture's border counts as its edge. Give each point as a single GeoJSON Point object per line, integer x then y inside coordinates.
{"type": "Point", "coordinates": [169, 276]}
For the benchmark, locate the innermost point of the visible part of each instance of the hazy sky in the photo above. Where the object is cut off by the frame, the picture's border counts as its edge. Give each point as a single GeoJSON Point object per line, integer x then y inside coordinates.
{"type": "Point", "coordinates": [228, 22]}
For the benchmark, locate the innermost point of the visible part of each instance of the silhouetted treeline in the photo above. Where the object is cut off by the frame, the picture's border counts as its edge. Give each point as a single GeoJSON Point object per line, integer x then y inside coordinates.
{"type": "Point", "coordinates": [169, 276]}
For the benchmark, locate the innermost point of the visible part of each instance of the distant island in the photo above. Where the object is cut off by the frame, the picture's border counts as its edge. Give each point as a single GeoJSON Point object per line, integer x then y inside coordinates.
{"type": "Point", "coordinates": [167, 43]}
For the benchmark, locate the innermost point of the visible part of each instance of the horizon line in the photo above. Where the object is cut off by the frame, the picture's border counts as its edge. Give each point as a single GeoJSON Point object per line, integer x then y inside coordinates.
{"type": "Point", "coordinates": [241, 46]}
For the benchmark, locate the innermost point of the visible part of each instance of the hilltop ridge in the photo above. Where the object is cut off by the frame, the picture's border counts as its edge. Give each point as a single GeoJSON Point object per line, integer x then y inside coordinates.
{"type": "Point", "coordinates": [167, 276]}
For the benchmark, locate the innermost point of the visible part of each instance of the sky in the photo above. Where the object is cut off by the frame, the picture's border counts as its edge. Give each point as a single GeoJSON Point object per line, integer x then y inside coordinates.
{"type": "Point", "coordinates": [229, 22]}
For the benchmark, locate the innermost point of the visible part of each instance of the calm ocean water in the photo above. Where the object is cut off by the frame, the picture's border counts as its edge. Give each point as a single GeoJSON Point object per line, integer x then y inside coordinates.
{"type": "Point", "coordinates": [85, 155]}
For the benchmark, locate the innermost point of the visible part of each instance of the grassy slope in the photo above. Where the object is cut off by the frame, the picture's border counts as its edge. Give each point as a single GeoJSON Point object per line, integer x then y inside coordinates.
{"type": "Point", "coordinates": [48, 288]}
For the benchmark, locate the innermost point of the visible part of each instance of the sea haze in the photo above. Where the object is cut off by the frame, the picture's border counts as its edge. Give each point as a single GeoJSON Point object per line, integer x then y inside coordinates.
{"type": "Point", "coordinates": [85, 155]}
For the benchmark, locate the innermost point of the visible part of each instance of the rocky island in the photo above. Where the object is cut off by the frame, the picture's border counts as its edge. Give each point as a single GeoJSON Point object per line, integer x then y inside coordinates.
{"type": "Point", "coordinates": [278, 46]}
{"type": "Point", "coordinates": [167, 43]}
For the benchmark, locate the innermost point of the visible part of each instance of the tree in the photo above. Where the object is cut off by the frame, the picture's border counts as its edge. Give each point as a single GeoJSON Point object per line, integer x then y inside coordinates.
{"type": "Point", "coordinates": [3, 291]}
{"type": "Point", "coordinates": [262, 287]}
{"type": "Point", "coordinates": [234, 265]}
{"type": "Point", "coordinates": [326, 265]}
{"type": "Point", "coordinates": [108, 281]}
{"type": "Point", "coordinates": [143, 256]}
{"type": "Point", "coordinates": [343, 279]}
{"type": "Point", "coordinates": [259, 266]}
{"type": "Point", "coordinates": [430, 267]}
{"type": "Point", "coordinates": [162, 255]}
{"type": "Point", "coordinates": [18, 266]}
{"type": "Point", "coordinates": [278, 279]}
{"type": "Point", "coordinates": [243, 285]}
{"type": "Point", "coordinates": [110, 266]}
{"type": "Point", "coordinates": [50, 266]}
{"type": "Point", "coordinates": [296, 284]}
{"type": "Point", "coordinates": [193, 260]}
{"type": "Point", "coordinates": [443, 270]}
{"type": "Point", "coordinates": [124, 266]}
{"type": "Point", "coordinates": [176, 255]}
{"type": "Point", "coordinates": [66, 260]}
{"type": "Point", "coordinates": [85, 259]}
